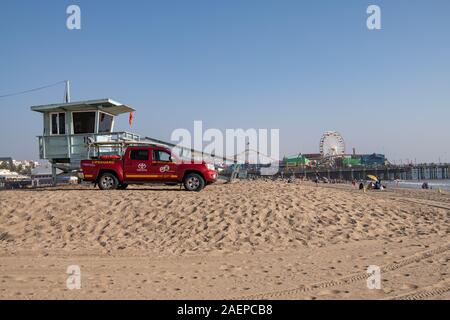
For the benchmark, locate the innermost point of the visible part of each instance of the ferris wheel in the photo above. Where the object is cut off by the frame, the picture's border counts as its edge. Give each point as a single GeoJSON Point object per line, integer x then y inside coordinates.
{"type": "Point", "coordinates": [332, 145]}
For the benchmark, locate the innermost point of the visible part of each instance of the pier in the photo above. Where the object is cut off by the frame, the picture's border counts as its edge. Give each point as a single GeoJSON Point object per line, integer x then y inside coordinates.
{"type": "Point", "coordinates": [389, 172]}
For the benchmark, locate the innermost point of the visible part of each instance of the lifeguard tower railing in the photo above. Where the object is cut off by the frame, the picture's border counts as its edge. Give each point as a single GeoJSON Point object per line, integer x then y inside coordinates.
{"type": "Point", "coordinates": [68, 150]}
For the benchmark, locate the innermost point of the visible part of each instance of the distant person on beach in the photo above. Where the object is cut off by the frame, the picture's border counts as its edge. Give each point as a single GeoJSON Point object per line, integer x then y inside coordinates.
{"type": "Point", "coordinates": [378, 185]}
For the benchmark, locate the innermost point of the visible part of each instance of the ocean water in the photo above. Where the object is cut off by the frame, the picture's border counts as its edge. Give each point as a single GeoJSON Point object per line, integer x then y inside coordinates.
{"type": "Point", "coordinates": [415, 184]}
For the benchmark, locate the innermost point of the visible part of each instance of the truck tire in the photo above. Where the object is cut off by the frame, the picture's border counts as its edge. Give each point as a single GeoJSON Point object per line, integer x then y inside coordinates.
{"type": "Point", "coordinates": [108, 181]}
{"type": "Point", "coordinates": [193, 182]}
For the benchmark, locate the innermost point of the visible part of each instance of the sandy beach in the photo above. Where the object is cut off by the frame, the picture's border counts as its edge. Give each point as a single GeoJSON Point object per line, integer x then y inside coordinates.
{"type": "Point", "coordinates": [245, 240]}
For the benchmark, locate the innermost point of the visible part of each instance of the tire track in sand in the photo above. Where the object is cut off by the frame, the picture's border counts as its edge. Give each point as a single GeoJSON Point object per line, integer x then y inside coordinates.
{"type": "Point", "coordinates": [428, 292]}
{"type": "Point", "coordinates": [417, 257]}
{"type": "Point", "coordinates": [428, 203]}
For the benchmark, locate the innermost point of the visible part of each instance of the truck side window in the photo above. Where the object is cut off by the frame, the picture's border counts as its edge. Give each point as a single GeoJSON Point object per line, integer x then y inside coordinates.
{"type": "Point", "coordinates": [159, 155]}
{"type": "Point", "coordinates": [139, 155]}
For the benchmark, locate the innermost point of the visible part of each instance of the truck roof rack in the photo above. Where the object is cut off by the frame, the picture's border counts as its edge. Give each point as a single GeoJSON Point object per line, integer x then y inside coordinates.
{"type": "Point", "coordinates": [125, 143]}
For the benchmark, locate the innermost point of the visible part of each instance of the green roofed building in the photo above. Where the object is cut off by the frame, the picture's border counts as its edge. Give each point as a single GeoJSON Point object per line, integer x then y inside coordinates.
{"type": "Point", "coordinates": [297, 161]}
{"type": "Point", "coordinates": [351, 162]}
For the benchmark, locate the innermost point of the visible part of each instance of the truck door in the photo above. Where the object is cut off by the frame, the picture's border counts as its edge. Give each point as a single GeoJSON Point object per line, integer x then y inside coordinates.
{"type": "Point", "coordinates": [163, 168]}
{"type": "Point", "coordinates": [137, 165]}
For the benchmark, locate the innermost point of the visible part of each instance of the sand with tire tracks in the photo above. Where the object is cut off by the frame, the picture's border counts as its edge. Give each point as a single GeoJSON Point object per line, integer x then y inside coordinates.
{"type": "Point", "coordinates": [272, 240]}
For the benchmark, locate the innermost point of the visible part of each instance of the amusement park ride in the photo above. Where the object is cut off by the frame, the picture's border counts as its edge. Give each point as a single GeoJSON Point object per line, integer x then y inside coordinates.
{"type": "Point", "coordinates": [332, 147]}
{"type": "Point", "coordinates": [333, 155]}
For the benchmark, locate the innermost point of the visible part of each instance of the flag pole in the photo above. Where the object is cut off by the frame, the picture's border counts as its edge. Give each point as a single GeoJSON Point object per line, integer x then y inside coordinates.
{"type": "Point", "coordinates": [67, 92]}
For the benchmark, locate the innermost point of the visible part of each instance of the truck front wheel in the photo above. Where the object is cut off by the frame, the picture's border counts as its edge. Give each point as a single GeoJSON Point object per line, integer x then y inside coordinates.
{"type": "Point", "coordinates": [193, 182]}
{"type": "Point", "coordinates": [108, 181]}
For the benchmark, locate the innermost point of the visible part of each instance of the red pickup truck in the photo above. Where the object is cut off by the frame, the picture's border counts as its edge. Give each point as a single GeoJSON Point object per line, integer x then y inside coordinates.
{"type": "Point", "coordinates": [146, 164]}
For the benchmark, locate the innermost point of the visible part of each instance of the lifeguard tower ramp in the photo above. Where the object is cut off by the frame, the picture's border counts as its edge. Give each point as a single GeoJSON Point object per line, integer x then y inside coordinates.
{"type": "Point", "coordinates": [69, 128]}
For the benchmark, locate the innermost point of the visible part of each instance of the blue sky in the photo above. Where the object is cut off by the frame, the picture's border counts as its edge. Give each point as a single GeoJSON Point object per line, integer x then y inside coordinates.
{"type": "Point", "coordinates": [304, 67]}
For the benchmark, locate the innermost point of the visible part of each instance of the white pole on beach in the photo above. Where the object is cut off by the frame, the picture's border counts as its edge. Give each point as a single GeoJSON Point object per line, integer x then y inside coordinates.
{"type": "Point", "coordinates": [67, 92]}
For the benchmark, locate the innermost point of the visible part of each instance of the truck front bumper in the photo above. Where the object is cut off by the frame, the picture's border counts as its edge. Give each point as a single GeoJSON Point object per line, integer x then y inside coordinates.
{"type": "Point", "coordinates": [211, 176]}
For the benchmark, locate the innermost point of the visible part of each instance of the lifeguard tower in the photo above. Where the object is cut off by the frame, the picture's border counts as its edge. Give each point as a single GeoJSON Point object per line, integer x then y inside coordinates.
{"type": "Point", "coordinates": [70, 127]}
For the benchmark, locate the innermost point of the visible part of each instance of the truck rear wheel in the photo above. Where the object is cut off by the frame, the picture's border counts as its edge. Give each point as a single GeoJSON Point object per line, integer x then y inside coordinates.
{"type": "Point", "coordinates": [108, 181]}
{"type": "Point", "coordinates": [194, 182]}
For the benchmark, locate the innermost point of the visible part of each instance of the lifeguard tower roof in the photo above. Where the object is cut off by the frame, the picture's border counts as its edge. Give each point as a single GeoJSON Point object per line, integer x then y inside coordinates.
{"type": "Point", "coordinates": [108, 105]}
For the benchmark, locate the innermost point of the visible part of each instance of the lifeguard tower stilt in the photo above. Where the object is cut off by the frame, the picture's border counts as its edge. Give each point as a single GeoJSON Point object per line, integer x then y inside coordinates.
{"type": "Point", "coordinates": [69, 127]}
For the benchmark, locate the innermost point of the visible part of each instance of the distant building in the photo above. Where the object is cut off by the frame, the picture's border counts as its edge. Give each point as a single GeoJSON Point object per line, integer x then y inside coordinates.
{"type": "Point", "coordinates": [351, 161]}
{"type": "Point", "coordinates": [373, 159]}
{"type": "Point", "coordinates": [42, 175]}
{"type": "Point", "coordinates": [368, 160]}
{"type": "Point", "coordinates": [296, 161]}
{"type": "Point", "coordinates": [12, 180]}
{"type": "Point", "coordinates": [5, 174]}
{"type": "Point", "coordinates": [10, 175]}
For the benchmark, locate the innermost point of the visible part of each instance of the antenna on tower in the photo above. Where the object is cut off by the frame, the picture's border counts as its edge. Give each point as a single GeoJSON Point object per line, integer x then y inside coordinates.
{"type": "Point", "coordinates": [67, 92]}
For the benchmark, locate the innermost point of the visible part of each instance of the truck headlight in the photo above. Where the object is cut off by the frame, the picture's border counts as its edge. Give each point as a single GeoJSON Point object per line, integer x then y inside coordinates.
{"type": "Point", "coordinates": [210, 166]}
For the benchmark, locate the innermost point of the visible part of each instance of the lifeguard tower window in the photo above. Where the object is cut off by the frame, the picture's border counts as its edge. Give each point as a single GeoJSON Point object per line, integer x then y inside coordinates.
{"type": "Point", "coordinates": [58, 124]}
{"type": "Point", "coordinates": [83, 122]}
{"type": "Point", "coordinates": [139, 155]}
{"type": "Point", "coordinates": [105, 123]}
